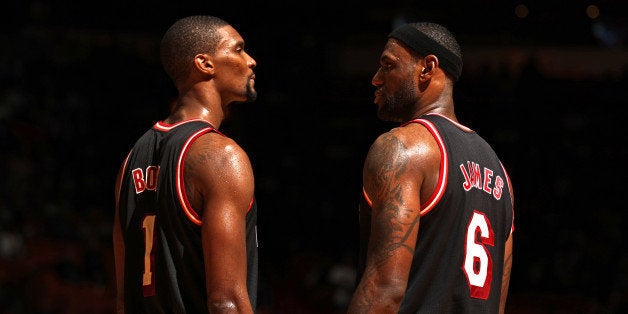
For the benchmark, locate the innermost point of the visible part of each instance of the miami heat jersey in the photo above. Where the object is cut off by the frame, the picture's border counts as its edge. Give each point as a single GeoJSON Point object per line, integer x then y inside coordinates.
{"type": "Point", "coordinates": [458, 259]}
{"type": "Point", "coordinates": [163, 254]}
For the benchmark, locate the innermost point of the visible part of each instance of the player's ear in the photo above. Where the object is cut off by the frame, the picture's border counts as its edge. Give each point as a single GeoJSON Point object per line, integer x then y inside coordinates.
{"type": "Point", "coordinates": [430, 63]}
{"type": "Point", "coordinates": [204, 64]}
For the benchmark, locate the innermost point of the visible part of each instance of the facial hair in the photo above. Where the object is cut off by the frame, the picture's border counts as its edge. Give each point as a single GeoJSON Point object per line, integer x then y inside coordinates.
{"type": "Point", "coordinates": [251, 93]}
{"type": "Point", "coordinates": [398, 106]}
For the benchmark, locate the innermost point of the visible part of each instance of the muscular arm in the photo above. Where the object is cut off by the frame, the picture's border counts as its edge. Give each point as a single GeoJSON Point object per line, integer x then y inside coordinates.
{"type": "Point", "coordinates": [392, 178]}
{"type": "Point", "coordinates": [222, 184]}
{"type": "Point", "coordinates": [506, 275]}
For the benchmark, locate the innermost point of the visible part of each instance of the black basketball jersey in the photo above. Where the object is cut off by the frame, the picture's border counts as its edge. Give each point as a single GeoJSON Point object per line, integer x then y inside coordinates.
{"type": "Point", "coordinates": [164, 269]}
{"type": "Point", "coordinates": [458, 258]}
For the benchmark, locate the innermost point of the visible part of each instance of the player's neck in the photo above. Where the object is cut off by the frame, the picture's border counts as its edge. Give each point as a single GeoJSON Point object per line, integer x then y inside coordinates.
{"type": "Point", "coordinates": [184, 111]}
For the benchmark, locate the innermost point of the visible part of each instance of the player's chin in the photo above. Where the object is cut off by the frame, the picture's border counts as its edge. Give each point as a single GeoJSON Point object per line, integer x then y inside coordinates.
{"type": "Point", "coordinates": [251, 95]}
{"type": "Point", "coordinates": [377, 99]}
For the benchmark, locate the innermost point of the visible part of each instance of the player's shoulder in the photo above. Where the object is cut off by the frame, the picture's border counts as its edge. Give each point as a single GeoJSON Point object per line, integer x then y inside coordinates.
{"type": "Point", "coordinates": [215, 140]}
{"type": "Point", "coordinates": [216, 145]}
{"type": "Point", "coordinates": [407, 136]}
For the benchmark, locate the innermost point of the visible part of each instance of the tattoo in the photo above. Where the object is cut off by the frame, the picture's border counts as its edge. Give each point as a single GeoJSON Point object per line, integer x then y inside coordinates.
{"type": "Point", "coordinates": [390, 226]}
{"type": "Point", "coordinates": [362, 302]}
{"type": "Point", "coordinates": [192, 165]}
{"type": "Point", "coordinates": [192, 161]}
{"type": "Point", "coordinates": [391, 232]}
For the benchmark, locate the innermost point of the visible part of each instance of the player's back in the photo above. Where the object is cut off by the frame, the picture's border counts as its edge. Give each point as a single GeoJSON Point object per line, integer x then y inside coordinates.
{"type": "Point", "coordinates": [458, 260]}
{"type": "Point", "coordinates": [163, 250]}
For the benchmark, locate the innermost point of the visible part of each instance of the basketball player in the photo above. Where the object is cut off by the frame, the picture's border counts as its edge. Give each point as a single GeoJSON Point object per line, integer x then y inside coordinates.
{"type": "Point", "coordinates": [185, 224]}
{"type": "Point", "coordinates": [436, 215]}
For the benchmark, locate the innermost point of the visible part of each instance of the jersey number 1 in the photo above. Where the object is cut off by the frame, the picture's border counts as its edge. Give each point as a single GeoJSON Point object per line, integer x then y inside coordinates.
{"type": "Point", "coordinates": [148, 285]}
{"type": "Point", "coordinates": [478, 265]}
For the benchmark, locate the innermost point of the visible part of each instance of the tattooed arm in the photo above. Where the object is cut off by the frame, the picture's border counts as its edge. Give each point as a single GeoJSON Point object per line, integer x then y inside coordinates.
{"type": "Point", "coordinates": [396, 169]}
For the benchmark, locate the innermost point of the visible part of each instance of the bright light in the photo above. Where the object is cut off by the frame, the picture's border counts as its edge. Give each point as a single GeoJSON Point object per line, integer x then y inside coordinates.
{"type": "Point", "coordinates": [521, 11]}
{"type": "Point", "coordinates": [593, 11]}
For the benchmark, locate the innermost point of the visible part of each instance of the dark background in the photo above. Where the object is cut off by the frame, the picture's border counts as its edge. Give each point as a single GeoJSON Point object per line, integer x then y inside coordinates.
{"type": "Point", "coordinates": [80, 81]}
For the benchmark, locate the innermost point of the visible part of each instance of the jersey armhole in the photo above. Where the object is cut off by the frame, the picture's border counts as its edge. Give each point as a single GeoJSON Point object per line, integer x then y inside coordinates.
{"type": "Point", "coordinates": [120, 178]}
{"type": "Point", "coordinates": [180, 184]}
{"type": "Point", "coordinates": [443, 171]}
{"type": "Point", "coordinates": [251, 204]}
{"type": "Point", "coordinates": [512, 197]}
{"type": "Point", "coordinates": [367, 198]}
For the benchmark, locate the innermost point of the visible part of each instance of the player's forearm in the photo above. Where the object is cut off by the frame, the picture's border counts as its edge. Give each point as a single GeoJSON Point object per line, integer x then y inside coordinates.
{"type": "Point", "coordinates": [229, 304]}
{"type": "Point", "coordinates": [120, 305]}
{"type": "Point", "coordinates": [229, 307]}
{"type": "Point", "coordinates": [372, 298]}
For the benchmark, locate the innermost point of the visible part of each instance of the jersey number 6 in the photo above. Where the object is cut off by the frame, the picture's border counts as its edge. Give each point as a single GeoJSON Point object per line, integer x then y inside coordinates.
{"type": "Point", "coordinates": [478, 265]}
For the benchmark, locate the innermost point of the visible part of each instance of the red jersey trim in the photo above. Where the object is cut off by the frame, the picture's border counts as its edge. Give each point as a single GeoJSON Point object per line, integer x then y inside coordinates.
{"type": "Point", "coordinates": [122, 172]}
{"type": "Point", "coordinates": [180, 184]}
{"type": "Point", "coordinates": [464, 128]}
{"type": "Point", "coordinates": [443, 172]}
{"type": "Point", "coordinates": [250, 204]}
{"type": "Point", "coordinates": [165, 127]}
{"type": "Point", "coordinates": [366, 198]}
{"type": "Point", "coordinates": [512, 197]}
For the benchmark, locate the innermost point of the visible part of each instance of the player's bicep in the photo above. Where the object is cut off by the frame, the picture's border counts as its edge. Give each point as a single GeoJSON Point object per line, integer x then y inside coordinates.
{"type": "Point", "coordinates": [224, 243]}
{"type": "Point", "coordinates": [390, 184]}
{"type": "Point", "coordinates": [224, 180]}
{"type": "Point", "coordinates": [217, 169]}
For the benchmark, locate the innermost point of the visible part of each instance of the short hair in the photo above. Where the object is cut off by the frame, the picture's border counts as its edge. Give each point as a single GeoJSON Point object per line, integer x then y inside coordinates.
{"type": "Point", "coordinates": [440, 41]}
{"type": "Point", "coordinates": [186, 38]}
{"type": "Point", "coordinates": [440, 34]}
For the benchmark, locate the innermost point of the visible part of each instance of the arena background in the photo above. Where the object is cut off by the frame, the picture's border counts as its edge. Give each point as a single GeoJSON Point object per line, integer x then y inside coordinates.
{"type": "Point", "coordinates": [545, 83]}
